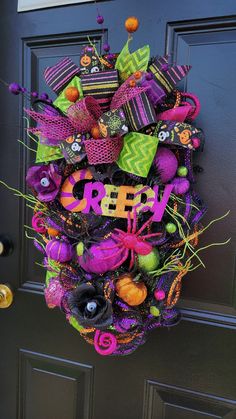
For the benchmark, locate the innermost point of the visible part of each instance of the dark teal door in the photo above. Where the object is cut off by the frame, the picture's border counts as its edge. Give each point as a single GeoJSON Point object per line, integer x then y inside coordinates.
{"type": "Point", "coordinates": [46, 370]}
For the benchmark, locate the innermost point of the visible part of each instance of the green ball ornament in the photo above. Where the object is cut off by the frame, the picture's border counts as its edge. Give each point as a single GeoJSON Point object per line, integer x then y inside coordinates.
{"type": "Point", "coordinates": [154, 311]}
{"type": "Point", "coordinates": [182, 171]}
{"type": "Point", "coordinates": [80, 248]}
{"type": "Point", "coordinates": [149, 262]}
{"type": "Point", "coordinates": [171, 228]}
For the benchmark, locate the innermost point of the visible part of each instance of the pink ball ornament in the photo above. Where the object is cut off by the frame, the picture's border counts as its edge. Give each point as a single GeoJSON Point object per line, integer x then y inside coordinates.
{"type": "Point", "coordinates": [54, 293]}
{"type": "Point", "coordinates": [166, 163]}
{"type": "Point", "coordinates": [159, 295]}
{"type": "Point", "coordinates": [196, 142]}
{"type": "Point", "coordinates": [181, 185]}
{"type": "Point", "coordinates": [59, 250]}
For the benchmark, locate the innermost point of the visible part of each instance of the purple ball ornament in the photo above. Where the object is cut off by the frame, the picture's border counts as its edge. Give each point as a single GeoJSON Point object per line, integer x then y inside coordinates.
{"type": "Point", "coordinates": [15, 88]}
{"type": "Point", "coordinates": [166, 164]}
{"type": "Point", "coordinates": [59, 250]}
{"type": "Point", "coordinates": [44, 96]}
{"type": "Point", "coordinates": [148, 76]}
{"type": "Point", "coordinates": [100, 19]}
{"type": "Point", "coordinates": [181, 185]}
{"type": "Point", "coordinates": [35, 95]}
{"type": "Point", "coordinates": [106, 47]}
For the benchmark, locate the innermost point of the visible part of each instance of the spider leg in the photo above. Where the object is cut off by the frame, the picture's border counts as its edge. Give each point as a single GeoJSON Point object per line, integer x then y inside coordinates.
{"type": "Point", "coordinates": [134, 228]}
{"type": "Point", "coordinates": [112, 247]}
{"type": "Point", "coordinates": [131, 264]}
{"type": "Point", "coordinates": [126, 254]}
{"type": "Point", "coordinates": [114, 254]}
{"type": "Point", "coordinates": [148, 236]}
{"type": "Point", "coordinates": [144, 226]}
{"type": "Point", "coordinates": [129, 223]}
{"type": "Point", "coordinates": [120, 231]}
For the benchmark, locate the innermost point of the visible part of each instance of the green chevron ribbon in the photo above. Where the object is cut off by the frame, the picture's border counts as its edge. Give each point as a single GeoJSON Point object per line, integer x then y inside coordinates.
{"type": "Point", "coordinates": [128, 63]}
{"type": "Point", "coordinates": [137, 153]}
{"type": "Point", "coordinates": [47, 153]}
{"type": "Point", "coordinates": [61, 102]}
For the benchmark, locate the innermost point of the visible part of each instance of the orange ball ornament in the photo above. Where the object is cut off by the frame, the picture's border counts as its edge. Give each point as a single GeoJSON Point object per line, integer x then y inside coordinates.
{"type": "Point", "coordinates": [131, 24]}
{"type": "Point", "coordinates": [53, 232]}
{"type": "Point", "coordinates": [137, 75]}
{"type": "Point", "coordinates": [133, 293]}
{"type": "Point", "coordinates": [72, 94]}
{"type": "Point", "coordinates": [95, 131]}
{"type": "Point", "coordinates": [132, 83]}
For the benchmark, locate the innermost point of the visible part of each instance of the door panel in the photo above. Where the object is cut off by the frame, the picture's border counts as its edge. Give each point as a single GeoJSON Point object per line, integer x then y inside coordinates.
{"type": "Point", "coordinates": [48, 384]}
{"type": "Point", "coordinates": [188, 372]}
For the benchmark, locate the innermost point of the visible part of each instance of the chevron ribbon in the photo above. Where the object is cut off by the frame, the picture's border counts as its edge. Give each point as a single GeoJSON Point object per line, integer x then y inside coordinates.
{"type": "Point", "coordinates": [128, 63]}
{"type": "Point", "coordinates": [47, 153]}
{"type": "Point", "coordinates": [61, 101]}
{"type": "Point", "coordinates": [138, 153]}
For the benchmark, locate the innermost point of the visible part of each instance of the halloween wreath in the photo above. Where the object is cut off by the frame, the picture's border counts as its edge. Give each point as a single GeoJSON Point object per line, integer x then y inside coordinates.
{"type": "Point", "coordinates": [114, 207]}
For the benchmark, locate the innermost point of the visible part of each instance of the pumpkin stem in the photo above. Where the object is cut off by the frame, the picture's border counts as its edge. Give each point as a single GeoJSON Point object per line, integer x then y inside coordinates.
{"type": "Point", "coordinates": [137, 277]}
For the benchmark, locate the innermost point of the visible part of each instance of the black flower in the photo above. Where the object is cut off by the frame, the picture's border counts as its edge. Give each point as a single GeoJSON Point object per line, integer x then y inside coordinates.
{"type": "Point", "coordinates": [89, 306]}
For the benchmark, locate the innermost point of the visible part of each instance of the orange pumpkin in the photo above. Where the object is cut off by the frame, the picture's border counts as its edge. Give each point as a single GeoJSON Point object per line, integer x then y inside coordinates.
{"type": "Point", "coordinates": [131, 24]}
{"type": "Point", "coordinates": [53, 232]}
{"type": "Point", "coordinates": [133, 293]}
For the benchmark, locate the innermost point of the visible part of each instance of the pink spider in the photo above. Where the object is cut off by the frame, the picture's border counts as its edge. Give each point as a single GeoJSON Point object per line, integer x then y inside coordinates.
{"type": "Point", "coordinates": [131, 241]}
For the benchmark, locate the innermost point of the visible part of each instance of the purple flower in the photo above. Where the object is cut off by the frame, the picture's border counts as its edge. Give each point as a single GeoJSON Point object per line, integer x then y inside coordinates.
{"type": "Point", "coordinates": [45, 180]}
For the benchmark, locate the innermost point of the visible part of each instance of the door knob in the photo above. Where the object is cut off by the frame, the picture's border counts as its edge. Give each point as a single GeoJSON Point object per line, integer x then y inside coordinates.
{"type": "Point", "coordinates": [6, 246]}
{"type": "Point", "coordinates": [6, 296]}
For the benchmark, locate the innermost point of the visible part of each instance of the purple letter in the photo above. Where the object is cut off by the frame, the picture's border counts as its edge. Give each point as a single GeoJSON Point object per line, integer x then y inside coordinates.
{"type": "Point", "coordinates": [160, 206]}
{"type": "Point", "coordinates": [94, 201]}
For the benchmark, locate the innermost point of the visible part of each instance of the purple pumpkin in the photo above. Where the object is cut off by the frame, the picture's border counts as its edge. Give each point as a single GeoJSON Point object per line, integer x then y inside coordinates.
{"type": "Point", "coordinates": [166, 164]}
{"type": "Point", "coordinates": [59, 250]}
{"type": "Point", "coordinates": [101, 257]}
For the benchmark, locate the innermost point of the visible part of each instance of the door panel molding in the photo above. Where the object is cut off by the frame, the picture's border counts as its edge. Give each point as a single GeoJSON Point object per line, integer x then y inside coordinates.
{"type": "Point", "coordinates": [209, 295]}
{"type": "Point", "coordinates": [50, 384]}
{"type": "Point", "coordinates": [165, 401]}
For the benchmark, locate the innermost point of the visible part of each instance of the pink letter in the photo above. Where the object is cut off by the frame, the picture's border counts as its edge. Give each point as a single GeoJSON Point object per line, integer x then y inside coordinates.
{"type": "Point", "coordinates": [160, 206]}
{"type": "Point", "coordinates": [93, 201]}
